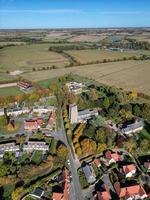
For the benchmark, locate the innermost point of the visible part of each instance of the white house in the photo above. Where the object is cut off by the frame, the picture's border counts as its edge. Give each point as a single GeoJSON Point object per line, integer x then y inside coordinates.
{"type": "Point", "coordinates": [12, 147]}
{"type": "Point", "coordinates": [43, 109]}
{"type": "Point", "coordinates": [82, 116]}
{"type": "Point", "coordinates": [32, 146]}
{"type": "Point", "coordinates": [17, 111]}
{"type": "Point", "coordinates": [137, 126]}
{"type": "Point", "coordinates": [75, 87]}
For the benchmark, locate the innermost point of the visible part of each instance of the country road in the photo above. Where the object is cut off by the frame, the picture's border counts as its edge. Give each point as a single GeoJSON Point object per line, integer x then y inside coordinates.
{"type": "Point", "coordinates": [72, 167]}
{"type": "Point", "coordinates": [8, 85]}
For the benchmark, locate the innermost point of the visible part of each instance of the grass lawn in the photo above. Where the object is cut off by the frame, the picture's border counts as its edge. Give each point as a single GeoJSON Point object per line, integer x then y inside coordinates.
{"type": "Point", "coordinates": [51, 102]}
{"type": "Point", "coordinates": [83, 182]}
{"type": "Point", "coordinates": [53, 146]}
{"type": "Point", "coordinates": [46, 83]}
{"type": "Point", "coordinates": [6, 130]}
{"type": "Point", "coordinates": [37, 157]}
{"type": "Point", "coordinates": [10, 91]}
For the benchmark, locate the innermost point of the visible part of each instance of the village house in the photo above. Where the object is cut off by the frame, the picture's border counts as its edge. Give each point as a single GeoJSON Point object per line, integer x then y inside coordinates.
{"type": "Point", "coordinates": [8, 147]}
{"type": "Point", "coordinates": [17, 111]}
{"type": "Point", "coordinates": [137, 126]}
{"type": "Point", "coordinates": [113, 157]}
{"type": "Point", "coordinates": [58, 196]}
{"type": "Point", "coordinates": [52, 121]}
{"type": "Point", "coordinates": [43, 109]}
{"type": "Point", "coordinates": [75, 87]}
{"type": "Point", "coordinates": [66, 187]}
{"type": "Point", "coordinates": [24, 86]}
{"type": "Point", "coordinates": [87, 114]}
{"type": "Point", "coordinates": [129, 170]}
{"type": "Point", "coordinates": [89, 173]}
{"type": "Point", "coordinates": [33, 124]}
{"type": "Point", "coordinates": [130, 192]}
{"type": "Point", "coordinates": [104, 193]}
{"type": "Point", "coordinates": [34, 145]}
{"type": "Point", "coordinates": [97, 162]}
{"type": "Point", "coordinates": [82, 116]}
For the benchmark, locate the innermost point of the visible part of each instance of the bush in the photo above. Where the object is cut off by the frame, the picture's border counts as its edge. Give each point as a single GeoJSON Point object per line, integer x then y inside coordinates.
{"type": "Point", "coordinates": [37, 157]}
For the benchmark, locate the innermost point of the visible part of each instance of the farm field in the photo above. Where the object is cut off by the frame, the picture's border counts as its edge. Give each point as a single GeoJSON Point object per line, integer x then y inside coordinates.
{"type": "Point", "coordinates": [130, 75]}
{"type": "Point", "coordinates": [86, 38]}
{"type": "Point", "coordinates": [10, 91]}
{"type": "Point", "coordinates": [6, 77]}
{"type": "Point", "coordinates": [11, 43]}
{"type": "Point", "coordinates": [85, 56]}
{"type": "Point", "coordinates": [56, 36]}
{"type": "Point", "coordinates": [25, 57]}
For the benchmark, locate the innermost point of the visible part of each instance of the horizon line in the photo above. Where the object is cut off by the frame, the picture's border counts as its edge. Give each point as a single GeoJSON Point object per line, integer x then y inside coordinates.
{"type": "Point", "coordinates": [51, 28]}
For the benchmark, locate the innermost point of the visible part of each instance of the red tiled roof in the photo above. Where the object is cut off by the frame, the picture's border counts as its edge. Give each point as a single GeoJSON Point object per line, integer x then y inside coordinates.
{"type": "Point", "coordinates": [114, 156]}
{"type": "Point", "coordinates": [132, 191]}
{"type": "Point", "coordinates": [30, 124]}
{"type": "Point", "coordinates": [65, 194]}
{"type": "Point", "coordinates": [39, 121]}
{"type": "Point", "coordinates": [24, 85]}
{"type": "Point", "coordinates": [129, 168]}
{"type": "Point", "coordinates": [52, 119]}
{"type": "Point", "coordinates": [33, 123]}
{"type": "Point", "coordinates": [103, 195]}
{"type": "Point", "coordinates": [97, 162]}
{"type": "Point", "coordinates": [57, 196]}
{"type": "Point", "coordinates": [66, 184]}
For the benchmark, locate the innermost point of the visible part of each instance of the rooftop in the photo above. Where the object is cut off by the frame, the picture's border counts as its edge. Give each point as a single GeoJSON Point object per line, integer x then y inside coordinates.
{"type": "Point", "coordinates": [38, 192]}
{"type": "Point", "coordinates": [87, 111]}
{"type": "Point", "coordinates": [105, 195]}
{"type": "Point", "coordinates": [109, 155]}
{"type": "Point", "coordinates": [129, 168]}
{"type": "Point", "coordinates": [97, 162]}
{"type": "Point", "coordinates": [129, 191]}
{"type": "Point", "coordinates": [57, 196]}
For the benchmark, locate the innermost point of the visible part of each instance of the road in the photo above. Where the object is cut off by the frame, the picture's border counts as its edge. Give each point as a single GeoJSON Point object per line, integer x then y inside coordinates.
{"type": "Point", "coordinates": [72, 167]}
{"type": "Point", "coordinates": [8, 85]}
{"type": "Point", "coordinates": [107, 182]}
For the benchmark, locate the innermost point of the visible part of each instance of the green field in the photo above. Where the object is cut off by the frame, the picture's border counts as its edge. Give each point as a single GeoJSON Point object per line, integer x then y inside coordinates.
{"type": "Point", "coordinates": [6, 77]}
{"type": "Point", "coordinates": [86, 56]}
{"type": "Point", "coordinates": [10, 91]}
{"type": "Point", "coordinates": [25, 57]}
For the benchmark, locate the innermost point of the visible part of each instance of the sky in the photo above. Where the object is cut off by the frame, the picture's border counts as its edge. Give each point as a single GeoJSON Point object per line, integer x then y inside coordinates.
{"type": "Point", "coordinates": [74, 13]}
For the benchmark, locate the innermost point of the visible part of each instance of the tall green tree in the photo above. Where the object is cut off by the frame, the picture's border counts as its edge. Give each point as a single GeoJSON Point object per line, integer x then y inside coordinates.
{"type": "Point", "coordinates": [106, 103]}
